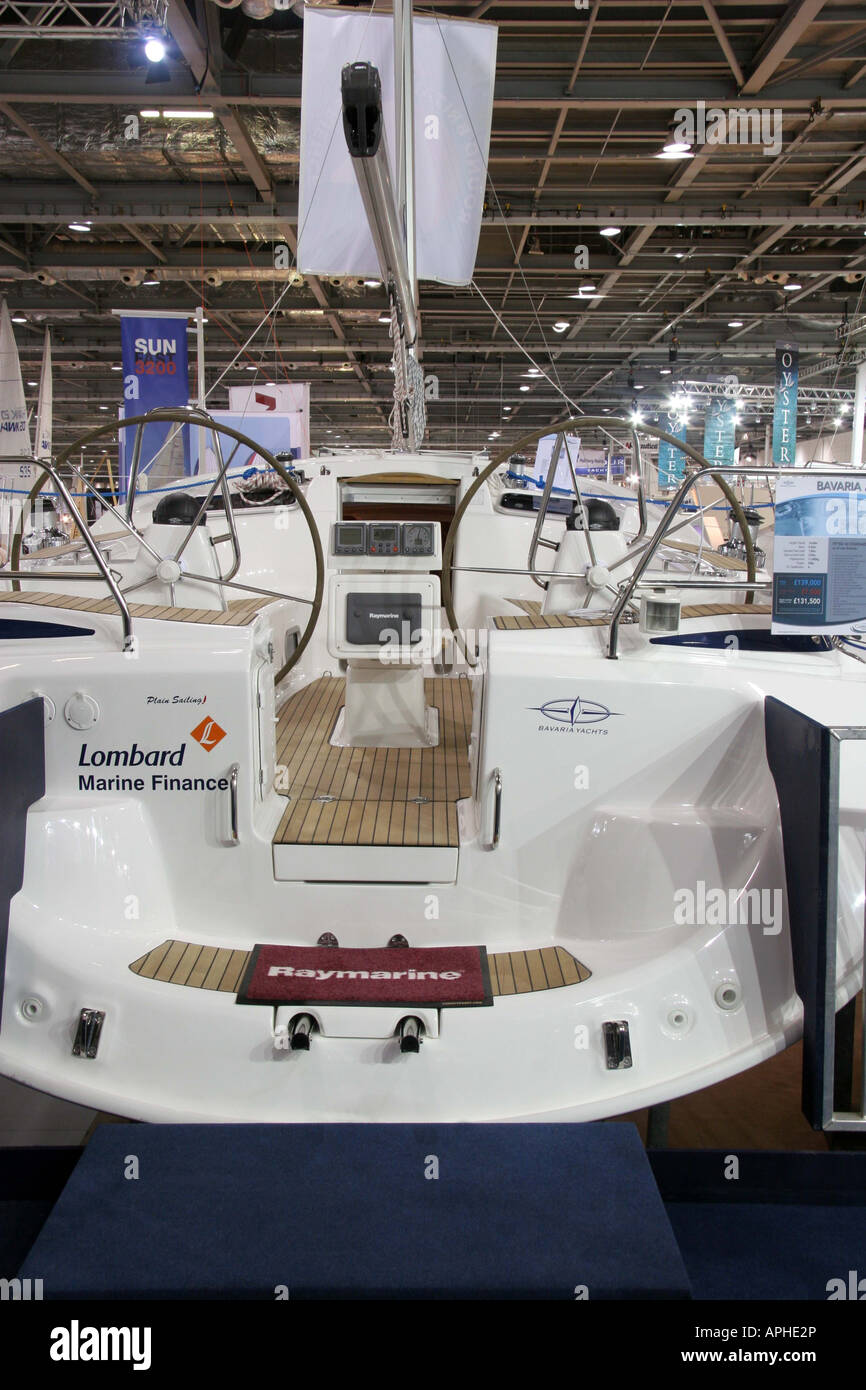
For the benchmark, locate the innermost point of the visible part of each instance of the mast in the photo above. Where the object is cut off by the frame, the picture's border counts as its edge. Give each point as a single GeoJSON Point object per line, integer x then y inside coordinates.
{"type": "Point", "coordinates": [404, 106]}
{"type": "Point", "coordinates": [45, 408]}
{"type": "Point", "coordinates": [391, 213]}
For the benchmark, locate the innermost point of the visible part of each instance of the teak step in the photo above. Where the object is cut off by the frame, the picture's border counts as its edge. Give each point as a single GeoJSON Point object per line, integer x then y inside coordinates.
{"type": "Point", "coordinates": [222, 969]}
{"type": "Point", "coordinates": [239, 613]}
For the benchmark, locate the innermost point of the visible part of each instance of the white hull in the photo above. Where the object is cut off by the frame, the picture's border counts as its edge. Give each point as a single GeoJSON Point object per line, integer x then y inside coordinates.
{"type": "Point", "coordinates": [603, 825]}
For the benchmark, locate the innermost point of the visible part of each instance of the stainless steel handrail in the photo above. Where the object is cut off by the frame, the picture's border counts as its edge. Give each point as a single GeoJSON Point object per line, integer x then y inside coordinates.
{"type": "Point", "coordinates": [497, 807]}
{"type": "Point", "coordinates": [234, 773]}
{"type": "Point", "coordinates": [642, 514]}
{"type": "Point", "coordinates": [542, 510]}
{"type": "Point", "coordinates": [96, 554]}
{"type": "Point", "coordinates": [221, 482]}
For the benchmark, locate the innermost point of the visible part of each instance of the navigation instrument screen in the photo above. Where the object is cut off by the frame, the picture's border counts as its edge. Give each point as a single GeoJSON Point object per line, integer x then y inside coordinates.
{"type": "Point", "coordinates": [350, 538]}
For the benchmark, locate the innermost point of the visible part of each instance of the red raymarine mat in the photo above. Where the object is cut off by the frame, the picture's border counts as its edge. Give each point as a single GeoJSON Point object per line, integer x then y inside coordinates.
{"type": "Point", "coordinates": [357, 975]}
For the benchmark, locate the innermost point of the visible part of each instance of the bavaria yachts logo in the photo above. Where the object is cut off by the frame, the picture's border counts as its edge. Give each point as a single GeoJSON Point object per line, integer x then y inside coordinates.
{"type": "Point", "coordinates": [566, 716]}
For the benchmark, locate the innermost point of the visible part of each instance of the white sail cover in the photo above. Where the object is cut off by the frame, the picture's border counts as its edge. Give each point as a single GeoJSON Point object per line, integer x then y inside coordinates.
{"type": "Point", "coordinates": [14, 433]}
{"type": "Point", "coordinates": [45, 409]}
{"type": "Point", "coordinates": [454, 70]}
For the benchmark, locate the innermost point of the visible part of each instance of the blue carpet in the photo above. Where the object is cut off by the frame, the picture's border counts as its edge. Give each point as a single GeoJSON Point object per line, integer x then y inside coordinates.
{"type": "Point", "coordinates": [735, 1250]}
{"type": "Point", "coordinates": [517, 1211]}
{"type": "Point", "coordinates": [20, 1224]}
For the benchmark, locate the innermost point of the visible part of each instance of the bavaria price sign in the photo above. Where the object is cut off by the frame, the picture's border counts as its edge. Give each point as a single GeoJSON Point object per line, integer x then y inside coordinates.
{"type": "Point", "coordinates": [819, 554]}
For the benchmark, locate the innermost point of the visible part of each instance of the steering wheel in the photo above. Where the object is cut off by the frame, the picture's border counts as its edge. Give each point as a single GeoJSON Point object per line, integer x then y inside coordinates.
{"type": "Point", "coordinates": [584, 422]}
{"type": "Point", "coordinates": [169, 568]}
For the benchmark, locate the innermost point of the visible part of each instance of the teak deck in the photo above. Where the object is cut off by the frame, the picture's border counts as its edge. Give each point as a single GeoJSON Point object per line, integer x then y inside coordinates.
{"type": "Point", "coordinates": [240, 612]}
{"type": "Point", "coordinates": [222, 969]}
{"type": "Point", "coordinates": [372, 796]}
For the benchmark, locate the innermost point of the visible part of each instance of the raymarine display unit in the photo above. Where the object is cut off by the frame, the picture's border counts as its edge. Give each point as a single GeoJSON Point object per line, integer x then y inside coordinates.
{"type": "Point", "coordinates": [385, 626]}
{"type": "Point", "coordinates": [383, 617]}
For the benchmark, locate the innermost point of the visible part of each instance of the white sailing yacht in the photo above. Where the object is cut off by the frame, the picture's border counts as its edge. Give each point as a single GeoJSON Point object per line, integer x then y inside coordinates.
{"type": "Point", "coordinates": [286, 843]}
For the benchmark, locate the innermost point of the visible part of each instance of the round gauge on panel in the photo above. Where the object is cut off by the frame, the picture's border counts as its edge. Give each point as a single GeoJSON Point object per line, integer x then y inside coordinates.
{"type": "Point", "coordinates": [418, 539]}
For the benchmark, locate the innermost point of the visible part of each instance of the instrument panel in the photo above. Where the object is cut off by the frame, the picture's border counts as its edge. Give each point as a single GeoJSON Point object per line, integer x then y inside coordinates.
{"type": "Point", "coordinates": [416, 539]}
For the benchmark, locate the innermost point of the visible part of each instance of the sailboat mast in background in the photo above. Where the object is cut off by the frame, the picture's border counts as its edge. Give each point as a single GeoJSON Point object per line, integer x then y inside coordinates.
{"type": "Point", "coordinates": [45, 409]}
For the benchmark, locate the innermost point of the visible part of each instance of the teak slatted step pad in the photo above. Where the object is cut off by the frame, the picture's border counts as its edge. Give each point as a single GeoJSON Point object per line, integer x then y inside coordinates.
{"type": "Point", "coordinates": [222, 969]}
{"type": "Point", "coordinates": [528, 622]}
{"type": "Point", "coordinates": [240, 612]}
{"type": "Point", "coordinates": [557, 620]}
{"type": "Point", "coordinates": [372, 796]}
{"type": "Point", "coordinates": [715, 610]}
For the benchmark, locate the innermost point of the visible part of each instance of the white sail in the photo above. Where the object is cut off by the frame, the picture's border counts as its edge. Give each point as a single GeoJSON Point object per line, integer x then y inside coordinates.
{"type": "Point", "coordinates": [14, 433]}
{"type": "Point", "coordinates": [45, 408]}
{"type": "Point", "coordinates": [454, 69]}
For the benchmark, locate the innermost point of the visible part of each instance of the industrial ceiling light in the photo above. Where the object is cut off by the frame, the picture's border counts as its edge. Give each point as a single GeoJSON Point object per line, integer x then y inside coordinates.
{"type": "Point", "coordinates": [373, 284]}
{"type": "Point", "coordinates": [18, 318]}
{"type": "Point", "coordinates": [79, 226]}
{"type": "Point", "coordinates": [561, 325]}
{"type": "Point", "coordinates": [524, 388]}
{"type": "Point", "coordinates": [150, 280]}
{"type": "Point", "coordinates": [154, 49]}
{"type": "Point", "coordinates": [735, 323]}
{"type": "Point", "coordinates": [384, 318]}
{"type": "Point", "coordinates": [792, 285]}
{"type": "Point", "coordinates": [664, 371]}
{"type": "Point", "coordinates": [675, 149]}
{"type": "Point", "coordinates": [609, 231]}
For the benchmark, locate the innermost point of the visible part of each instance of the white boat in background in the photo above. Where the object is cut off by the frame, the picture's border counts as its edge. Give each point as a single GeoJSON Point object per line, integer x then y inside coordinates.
{"type": "Point", "coordinates": [500, 777]}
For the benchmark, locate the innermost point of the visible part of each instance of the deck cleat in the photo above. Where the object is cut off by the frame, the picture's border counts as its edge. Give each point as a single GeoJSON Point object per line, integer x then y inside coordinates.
{"type": "Point", "coordinates": [410, 1031]}
{"type": "Point", "coordinates": [617, 1045]}
{"type": "Point", "coordinates": [301, 1029]}
{"type": "Point", "coordinates": [88, 1033]}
